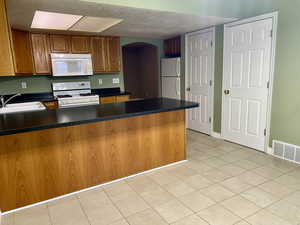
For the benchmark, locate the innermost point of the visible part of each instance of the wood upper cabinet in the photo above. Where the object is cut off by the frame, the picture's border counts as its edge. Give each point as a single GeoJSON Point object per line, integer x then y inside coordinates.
{"type": "Point", "coordinates": [106, 51]}
{"type": "Point", "coordinates": [6, 54]}
{"type": "Point", "coordinates": [113, 54]}
{"type": "Point", "coordinates": [80, 44]}
{"type": "Point", "coordinates": [172, 47]}
{"type": "Point", "coordinates": [59, 43]}
{"type": "Point", "coordinates": [41, 53]}
{"type": "Point", "coordinates": [22, 52]}
{"type": "Point", "coordinates": [106, 54]}
{"type": "Point", "coordinates": [98, 49]}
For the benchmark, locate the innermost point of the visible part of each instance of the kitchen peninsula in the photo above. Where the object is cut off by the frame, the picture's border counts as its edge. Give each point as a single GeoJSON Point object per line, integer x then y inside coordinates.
{"type": "Point", "coordinates": [50, 153]}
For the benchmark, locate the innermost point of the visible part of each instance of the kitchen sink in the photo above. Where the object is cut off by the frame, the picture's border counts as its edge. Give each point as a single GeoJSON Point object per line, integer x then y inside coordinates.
{"type": "Point", "coordinates": [22, 107]}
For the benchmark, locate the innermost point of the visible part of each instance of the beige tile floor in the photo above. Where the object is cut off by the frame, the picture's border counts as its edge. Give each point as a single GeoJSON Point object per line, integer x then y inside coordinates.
{"type": "Point", "coordinates": [221, 184]}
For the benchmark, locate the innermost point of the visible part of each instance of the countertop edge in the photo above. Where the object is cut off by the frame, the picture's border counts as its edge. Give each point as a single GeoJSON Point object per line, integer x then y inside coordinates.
{"type": "Point", "coordinates": [99, 119]}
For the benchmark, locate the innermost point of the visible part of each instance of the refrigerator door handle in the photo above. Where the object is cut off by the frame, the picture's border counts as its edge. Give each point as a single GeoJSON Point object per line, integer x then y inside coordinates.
{"type": "Point", "coordinates": [178, 68]}
{"type": "Point", "coordinates": [178, 86]}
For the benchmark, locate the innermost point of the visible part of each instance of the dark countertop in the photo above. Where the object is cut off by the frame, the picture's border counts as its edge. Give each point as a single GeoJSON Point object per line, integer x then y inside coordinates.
{"type": "Point", "coordinates": [48, 97]}
{"type": "Point", "coordinates": [39, 120]}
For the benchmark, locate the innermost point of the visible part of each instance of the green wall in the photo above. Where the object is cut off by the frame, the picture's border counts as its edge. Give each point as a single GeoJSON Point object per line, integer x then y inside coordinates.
{"type": "Point", "coordinates": [218, 76]}
{"type": "Point", "coordinates": [285, 118]}
{"type": "Point", "coordinates": [40, 84]}
{"type": "Point", "coordinates": [286, 99]}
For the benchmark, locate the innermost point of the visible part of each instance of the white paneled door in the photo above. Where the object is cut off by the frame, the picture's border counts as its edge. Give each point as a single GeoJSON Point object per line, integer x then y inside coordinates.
{"type": "Point", "coordinates": [247, 65]}
{"type": "Point", "coordinates": [199, 74]}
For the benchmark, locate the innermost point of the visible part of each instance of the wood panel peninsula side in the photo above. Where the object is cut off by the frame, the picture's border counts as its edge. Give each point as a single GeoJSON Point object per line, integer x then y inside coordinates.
{"type": "Point", "coordinates": [48, 154]}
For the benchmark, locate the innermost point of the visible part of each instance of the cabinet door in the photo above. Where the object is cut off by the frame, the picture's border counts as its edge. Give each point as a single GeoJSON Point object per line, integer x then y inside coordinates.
{"type": "Point", "coordinates": [172, 47]}
{"type": "Point", "coordinates": [22, 52]}
{"type": "Point", "coordinates": [6, 57]}
{"type": "Point", "coordinates": [113, 54]}
{"type": "Point", "coordinates": [40, 53]}
{"type": "Point", "coordinates": [80, 44]}
{"type": "Point", "coordinates": [98, 49]}
{"type": "Point", "coordinates": [59, 43]}
{"type": "Point", "coordinates": [122, 98]}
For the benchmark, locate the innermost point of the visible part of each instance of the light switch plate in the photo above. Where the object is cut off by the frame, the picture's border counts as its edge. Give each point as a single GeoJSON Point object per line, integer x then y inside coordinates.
{"type": "Point", "coordinates": [24, 85]}
{"type": "Point", "coordinates": [116, 80]}
{"type": "Point", "coordinates": [100, 81]}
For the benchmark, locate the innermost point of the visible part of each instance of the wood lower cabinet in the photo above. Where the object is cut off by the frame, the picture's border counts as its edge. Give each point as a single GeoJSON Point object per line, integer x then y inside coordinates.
{"type": "Point", "coordinates": [106, 100]}
{"type": "Point", "coordinates": [59, 43]}
{"type": "Point", "coordinates": [41, 52]}
{"type": "Point", "coordinates": [6, 53]}
{"type": "Point", "coordinates": [40, 165]}
{"type": "Point", "coordinates": [122, 98]}
{"type": "Point", "coordinates": [22, 52]}
{"type": "Point", "coordinates": [51, 104]}
{"type": "Point", "coordinates": [113, 99]}
{"type": "Point", "coordinates": [80, 44]}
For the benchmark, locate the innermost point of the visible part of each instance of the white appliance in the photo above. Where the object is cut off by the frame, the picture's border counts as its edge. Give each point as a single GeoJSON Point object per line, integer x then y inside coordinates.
{"type": "Point", "coordinates": [72, 94]}
{"type": "Point", "coordinates": [170, 78]}
{"type": "Point", "coordinates": [71, 64]}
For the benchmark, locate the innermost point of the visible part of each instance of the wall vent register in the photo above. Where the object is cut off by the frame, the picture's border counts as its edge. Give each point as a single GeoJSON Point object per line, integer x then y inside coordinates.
{"type": "Point", "coordinates": [286, 151]}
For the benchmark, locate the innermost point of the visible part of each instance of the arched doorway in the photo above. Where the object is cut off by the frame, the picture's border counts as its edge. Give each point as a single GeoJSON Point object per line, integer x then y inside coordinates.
{"type": "Point", "coordinates": [140, 68]}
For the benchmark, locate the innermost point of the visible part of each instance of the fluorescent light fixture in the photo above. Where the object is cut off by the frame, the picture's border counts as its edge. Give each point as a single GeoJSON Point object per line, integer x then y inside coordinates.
{"type": "Point", "coordinates": [95, 24]}
{"type": "Point", "coordinates": [55, 21]}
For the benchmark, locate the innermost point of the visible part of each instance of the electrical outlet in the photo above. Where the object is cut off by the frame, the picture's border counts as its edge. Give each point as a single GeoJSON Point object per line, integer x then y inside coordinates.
{"type": "Point", "coordinates": [24, 85]}
{"type": "Point", "coordinates": [116, 80]}
{"type": "Point", "coordinates": [100, 81]}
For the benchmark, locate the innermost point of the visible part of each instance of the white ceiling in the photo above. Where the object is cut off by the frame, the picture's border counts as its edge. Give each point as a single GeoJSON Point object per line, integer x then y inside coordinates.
{"type": "Point", "coordinates": [142, 23]}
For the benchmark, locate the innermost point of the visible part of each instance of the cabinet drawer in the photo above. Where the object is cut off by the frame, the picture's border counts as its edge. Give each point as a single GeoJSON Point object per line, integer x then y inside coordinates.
{"type": "Point", "coordinates": [105, 100]}
{"type": "Point", "coordinates": [122, 98]}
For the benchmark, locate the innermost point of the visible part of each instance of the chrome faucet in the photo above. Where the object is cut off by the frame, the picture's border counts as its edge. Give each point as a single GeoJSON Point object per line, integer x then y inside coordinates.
{"type": "Point", "coordinates": [4, 103]}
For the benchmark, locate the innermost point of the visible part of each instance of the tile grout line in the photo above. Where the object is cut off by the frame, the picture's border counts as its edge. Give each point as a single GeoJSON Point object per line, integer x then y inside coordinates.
{"type": "Point", "coordinates": [48, 211]}
{"type": "Point", "coordinates": [82, 209]}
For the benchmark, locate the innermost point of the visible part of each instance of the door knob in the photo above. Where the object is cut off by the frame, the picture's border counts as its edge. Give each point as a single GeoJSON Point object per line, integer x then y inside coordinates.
{"type": "Point", "coordinates": [188, 89]}
{"type": "Point", "coordinates": [226, 92]}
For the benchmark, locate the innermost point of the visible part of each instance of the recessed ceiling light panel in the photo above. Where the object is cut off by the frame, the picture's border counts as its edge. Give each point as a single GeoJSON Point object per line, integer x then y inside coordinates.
{"type": "Point", "coordinates": [95, 24]}
{"type": "Point", "coordinates": [56, 21]}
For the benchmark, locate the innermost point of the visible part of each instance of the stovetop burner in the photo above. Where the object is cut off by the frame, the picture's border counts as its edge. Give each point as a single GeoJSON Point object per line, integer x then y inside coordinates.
{"type": "Point", "coordinates": [86, 94]}
{"type": "Point", "coordinates": [64, 96]}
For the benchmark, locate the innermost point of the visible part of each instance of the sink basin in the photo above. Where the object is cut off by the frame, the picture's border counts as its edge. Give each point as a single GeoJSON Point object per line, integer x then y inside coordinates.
{"type": "Point", "coordinates": [22, 107]}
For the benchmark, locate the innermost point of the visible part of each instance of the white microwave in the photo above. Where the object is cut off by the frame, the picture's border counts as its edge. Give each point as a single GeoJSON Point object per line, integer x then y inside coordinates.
{"type": "Point", "coordinates": [71, 64]}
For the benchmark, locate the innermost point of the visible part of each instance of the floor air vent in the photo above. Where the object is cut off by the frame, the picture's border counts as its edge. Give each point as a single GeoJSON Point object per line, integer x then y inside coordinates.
{"type": "Point", "coordinates": [286, 151]}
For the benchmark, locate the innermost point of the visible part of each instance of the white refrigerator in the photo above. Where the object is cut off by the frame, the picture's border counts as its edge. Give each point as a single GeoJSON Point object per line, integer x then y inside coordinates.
{"type": "Point", "coordinates": [170, 78]}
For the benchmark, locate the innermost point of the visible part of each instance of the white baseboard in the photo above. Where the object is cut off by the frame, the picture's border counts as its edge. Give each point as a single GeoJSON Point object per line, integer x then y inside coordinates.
{"type": "Point", "coordinates": [88, 189]}
{"type": "Point", "coordinates": [216, 135]}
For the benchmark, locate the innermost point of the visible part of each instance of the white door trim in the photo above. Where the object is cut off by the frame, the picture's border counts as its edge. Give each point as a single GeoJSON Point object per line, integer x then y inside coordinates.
{"type": "Point", "coordinates": [274, 16]}
{"type": "Point", "coordinates": [202, 31]}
